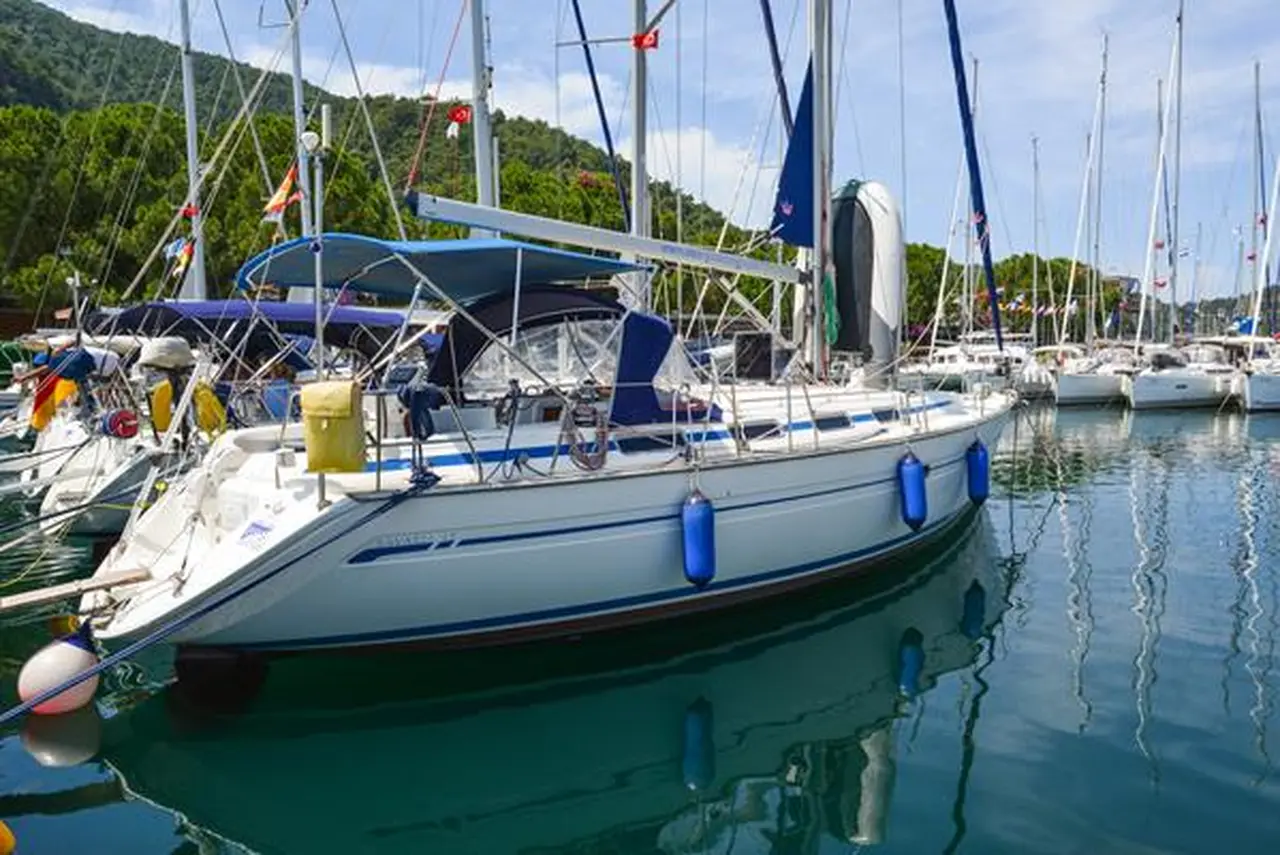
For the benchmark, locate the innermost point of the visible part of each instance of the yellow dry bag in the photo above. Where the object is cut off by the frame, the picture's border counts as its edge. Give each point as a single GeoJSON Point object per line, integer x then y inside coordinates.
{"type": "Point", "coordinates": [333, 426]}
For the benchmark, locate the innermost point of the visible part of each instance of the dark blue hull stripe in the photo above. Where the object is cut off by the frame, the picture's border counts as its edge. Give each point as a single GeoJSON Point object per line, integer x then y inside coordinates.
{"type": "Point", "coordinates": [565, 613]}
{"type": "Point", "coordinates": [367, 556]}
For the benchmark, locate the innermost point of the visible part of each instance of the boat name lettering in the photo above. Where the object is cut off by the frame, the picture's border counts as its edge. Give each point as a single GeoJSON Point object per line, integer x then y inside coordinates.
{"type": "Point", "coordinates": [415, 539]}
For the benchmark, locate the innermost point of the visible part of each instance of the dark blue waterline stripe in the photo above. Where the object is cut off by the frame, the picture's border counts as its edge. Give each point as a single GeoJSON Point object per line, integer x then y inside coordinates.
{"type": "Point", "coordinates": [599, 607]}
{"type": "Point", "coordinates": [368, 556]}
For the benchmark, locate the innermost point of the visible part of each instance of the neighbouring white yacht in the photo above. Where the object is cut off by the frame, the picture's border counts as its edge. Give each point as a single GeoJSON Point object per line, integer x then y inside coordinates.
{"type": "Point", "coordinates": [1096, 378]}
{"type": "Point", "coordinates": [104, 475]}
{"type": "Point", "coordinates": [1198, 375]}
{"type": "Point", "coordinates": [976, 359]}
{"type": "Point", "coordinates": [1257, 385]}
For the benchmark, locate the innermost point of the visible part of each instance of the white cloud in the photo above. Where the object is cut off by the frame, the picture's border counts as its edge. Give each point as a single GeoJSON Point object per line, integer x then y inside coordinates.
{"type": "Point", "coordinates": [735, 182]}
{"type": "Point", "coordinates": [154, 18]}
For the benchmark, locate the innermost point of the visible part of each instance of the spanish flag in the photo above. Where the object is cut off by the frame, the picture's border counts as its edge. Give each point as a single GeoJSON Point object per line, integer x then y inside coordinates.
{"type": "Point", "coordinates": [274, 210]}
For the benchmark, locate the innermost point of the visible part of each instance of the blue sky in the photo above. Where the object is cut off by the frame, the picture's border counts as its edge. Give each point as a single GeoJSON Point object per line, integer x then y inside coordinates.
{"type": "Point", "coordinates": [1039, 62]}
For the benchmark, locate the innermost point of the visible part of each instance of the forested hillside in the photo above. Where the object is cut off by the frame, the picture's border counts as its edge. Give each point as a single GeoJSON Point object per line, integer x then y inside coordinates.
{"type": "Point", "coordinates": [92, 167]}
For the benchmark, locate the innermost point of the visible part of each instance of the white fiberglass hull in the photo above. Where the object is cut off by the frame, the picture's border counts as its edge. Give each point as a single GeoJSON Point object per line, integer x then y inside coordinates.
{"type": "Point", "coordinates": [1177, 389]}
{"type": "Point", "coordinates": [48, 457]}
{"type": "Point", "coordinates": [10, 398]}
{"type": "Point", "coordinates": [1088, 388]}
{"type": "Point", "coordinates": [485, 564]}
{"type": "Point", "coordinates": [1260, 391]}
{"type": "Point", "coordinates": [97, 498]}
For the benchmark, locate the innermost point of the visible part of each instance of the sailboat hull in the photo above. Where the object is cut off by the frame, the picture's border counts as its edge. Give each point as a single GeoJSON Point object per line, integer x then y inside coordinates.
{"type": "Point", "coordinates": [478, 565]}
{"type": "Point", "coordinates": [1260, 392]}
{"type": "Point", "coordinates": [96, 502]}
{"type": "Point", "coordinates": [1080, 389]}
{"type": "Point", "coordinates": [1175, 389]}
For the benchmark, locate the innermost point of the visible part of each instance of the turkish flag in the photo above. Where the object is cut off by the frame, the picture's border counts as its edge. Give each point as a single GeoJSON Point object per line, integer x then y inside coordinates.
{"type": "Point", "coordinates": [645, 41]}
{"type": "Point", "coordinates": [460, 113]}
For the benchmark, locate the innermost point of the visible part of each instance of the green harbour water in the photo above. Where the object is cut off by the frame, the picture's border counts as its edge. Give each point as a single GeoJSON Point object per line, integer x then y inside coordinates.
{"type": "Point", "coordinates": [1099, 673]}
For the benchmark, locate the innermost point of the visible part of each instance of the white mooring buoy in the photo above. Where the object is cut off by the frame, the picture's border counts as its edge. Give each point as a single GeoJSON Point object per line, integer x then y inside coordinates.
{"type": "Point", "coordinates": [55, 664]}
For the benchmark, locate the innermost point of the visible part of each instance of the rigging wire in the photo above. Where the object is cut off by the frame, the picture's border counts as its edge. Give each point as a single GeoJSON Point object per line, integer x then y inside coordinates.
{"type": "Point", "coordinates": [426, 43]}
{"type": "Point", "coordinates": [902, 107]}
{"type": "Point", "coordinates": [434, 99]}
{"type": "Point", "coordinates": [118, 229]}
{"type": "Point", "coordinates": [368, 119]}
{"type": "Point", "coordinates": [47, 168]}
{"type": "Point", "coordinates": [80, 172]}
{"type": "Point", "coordinates": [108, 252]}
{"type": "Point", "coordinates": [702, 161]}
{"type": "Point", "coordinates": [679, 182]}
{"type": "Point", "coordinates": [146, 97]}
{"type": "Point", "coordinates": [256, 93]}
{"type": "Point", "coordinates": [763, 117]}
{"type": "Point", "coordinates": [841, 76]}
{"type": "Point", "coordinates": [234, 64]}
{"type": "Point", "coordinates": [558, 139]}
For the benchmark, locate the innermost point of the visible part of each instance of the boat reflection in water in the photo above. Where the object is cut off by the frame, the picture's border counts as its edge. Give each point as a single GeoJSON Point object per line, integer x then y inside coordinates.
{"type": "Point", "coordinates": [788, 730]}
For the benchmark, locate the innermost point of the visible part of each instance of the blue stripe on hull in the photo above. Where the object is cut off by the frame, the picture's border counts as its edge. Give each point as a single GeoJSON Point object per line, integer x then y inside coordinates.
{"type": "Point", "coordinates": [601, 608]}
{"type": "Point", "coordinates": [377, 553]}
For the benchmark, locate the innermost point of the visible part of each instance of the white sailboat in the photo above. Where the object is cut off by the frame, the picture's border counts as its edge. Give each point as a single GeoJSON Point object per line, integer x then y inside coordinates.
{"type": "Point", "coordinates": [1199, 375]}
{"type": "Point", "coordinates": [571, 497]}
{"type": "Point", "coordinates": [93, 484]}
{"type": "Point", "coordinates": [1090, 375]}
{"type": "Point", "coordinates": [1259, 385]}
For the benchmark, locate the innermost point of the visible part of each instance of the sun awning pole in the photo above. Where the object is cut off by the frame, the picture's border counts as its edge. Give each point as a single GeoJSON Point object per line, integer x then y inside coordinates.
{"type": "Point", "coordinates": [515, 302]}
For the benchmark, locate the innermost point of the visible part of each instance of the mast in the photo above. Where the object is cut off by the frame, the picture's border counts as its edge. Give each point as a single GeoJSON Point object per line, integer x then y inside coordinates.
{"type": "Point", "coordinates": [1195, 279]}
{"type": "Point", "coordinates": [819, 45]}
{"type": "Point", "coordinates": [1094, 293]}
{"type": "Point", "coordinates": [193, 284]}
{"type": "Point", "coordinates": [1260, 264]}
{"type": "Point", "coordinates": [939, 311]}
{"type": "Point", "coordinates": [1258, 188]}
{"type": "Point", "coordinates": [1082, 214]}
{"type": "Point", "coordinates": [982, 225]}
{"type": "Point", "coordinates": [639, 134]}
{"type": "Point", "coordinates": [1177, 182]}
{"type": "Point", "coordinates": [299, 295]}
{"type": "Point", "coordinates": [481, 126]}
{"type": "Point", "coordinates": [1035, 242]}
{"type": "Point", "coordinates": [1148, 269]}
{"type": "Point", "coordinates": [968, 280]}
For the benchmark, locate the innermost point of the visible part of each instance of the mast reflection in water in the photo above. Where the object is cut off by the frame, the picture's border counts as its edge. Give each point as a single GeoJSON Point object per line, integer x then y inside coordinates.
{"type": "Point", "coordinates": [1089, 665]}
